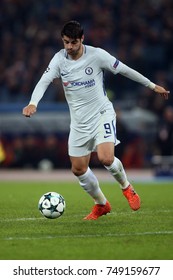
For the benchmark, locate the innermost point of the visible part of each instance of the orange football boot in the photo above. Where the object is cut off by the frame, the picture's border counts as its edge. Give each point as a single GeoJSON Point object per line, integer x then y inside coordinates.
{"type": "Point", "coordinates": [98, 211]}
{"type": "Point", "coordinates": [132, 197]}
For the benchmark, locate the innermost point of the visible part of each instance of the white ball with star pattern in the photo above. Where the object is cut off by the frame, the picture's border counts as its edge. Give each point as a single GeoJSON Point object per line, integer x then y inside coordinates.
{"type": "Point", "coordinates": [51, 205]}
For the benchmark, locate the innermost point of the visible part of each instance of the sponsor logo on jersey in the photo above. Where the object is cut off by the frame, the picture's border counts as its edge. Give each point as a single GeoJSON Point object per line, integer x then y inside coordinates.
{"type": "Point", "coordinates": [65, 84]}
{"type": "Point", "coordinates": [86, 84]}
{"type": "Point", "coordinates": [88, 70]}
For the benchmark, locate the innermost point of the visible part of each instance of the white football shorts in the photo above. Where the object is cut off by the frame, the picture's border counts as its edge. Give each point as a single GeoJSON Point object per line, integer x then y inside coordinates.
{"type": "Point", "coordinates": [84, 141]}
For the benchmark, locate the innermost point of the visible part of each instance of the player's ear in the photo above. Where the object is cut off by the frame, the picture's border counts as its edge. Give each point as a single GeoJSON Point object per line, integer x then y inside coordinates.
{"type": "Point", "coordinates": [82, 38]}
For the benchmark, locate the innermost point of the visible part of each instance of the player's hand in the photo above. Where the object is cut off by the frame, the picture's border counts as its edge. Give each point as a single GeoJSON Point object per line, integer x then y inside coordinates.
{"type": "Point", "coordinates": [163, 92]}
{"type": "Point", "coordinates": [29, 110]}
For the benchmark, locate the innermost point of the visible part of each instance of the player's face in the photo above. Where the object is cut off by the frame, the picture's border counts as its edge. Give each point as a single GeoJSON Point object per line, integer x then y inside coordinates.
{"type": "Point", "coordinates": [73, 46]}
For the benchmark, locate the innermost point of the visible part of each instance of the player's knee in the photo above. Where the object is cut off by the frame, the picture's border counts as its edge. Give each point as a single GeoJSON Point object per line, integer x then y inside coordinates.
{"type": "Point", "coordinates": [78, 171]}
{"type": "Point", "coordinates": [106, 160]}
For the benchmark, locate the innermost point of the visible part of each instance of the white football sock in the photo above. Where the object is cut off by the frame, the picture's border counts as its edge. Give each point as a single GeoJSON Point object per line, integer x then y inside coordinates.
{"type": "Point", "coordinates": [90, 184]}
{"type": "Point", "coordinates": [118, 172]}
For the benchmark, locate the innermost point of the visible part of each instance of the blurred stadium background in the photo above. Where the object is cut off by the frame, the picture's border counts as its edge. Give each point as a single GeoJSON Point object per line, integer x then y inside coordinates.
{"type": "Point", "coordinates": [139, 33]}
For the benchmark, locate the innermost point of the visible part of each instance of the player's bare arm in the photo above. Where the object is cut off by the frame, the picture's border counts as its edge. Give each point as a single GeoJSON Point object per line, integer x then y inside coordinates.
{"type": "Point", "coordinates": [163, 92]}
{"type": "Point", "coordinates": [29, 110]}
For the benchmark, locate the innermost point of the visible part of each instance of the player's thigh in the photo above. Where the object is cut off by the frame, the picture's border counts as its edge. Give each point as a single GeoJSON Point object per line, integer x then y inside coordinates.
{"type": "Point", "coordinates": [79, 164]}
{"type": "Point", "coordinates": [105, 152]}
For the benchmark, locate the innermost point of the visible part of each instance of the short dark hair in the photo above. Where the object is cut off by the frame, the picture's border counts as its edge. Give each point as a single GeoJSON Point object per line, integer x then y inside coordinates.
{"type": "Point", "coordinates": [72, 29]}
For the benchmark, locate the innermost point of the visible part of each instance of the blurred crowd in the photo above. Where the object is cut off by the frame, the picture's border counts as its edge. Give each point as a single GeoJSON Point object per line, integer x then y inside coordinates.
{"type": "Point", "coordinates": [139, 33]}
{"type": "Point", "coordinates": [36, 151]}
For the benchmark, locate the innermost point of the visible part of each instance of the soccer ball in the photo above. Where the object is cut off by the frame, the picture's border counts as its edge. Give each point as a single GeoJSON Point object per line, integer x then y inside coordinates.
{"type": "Point", "coordinates": [51, 205]}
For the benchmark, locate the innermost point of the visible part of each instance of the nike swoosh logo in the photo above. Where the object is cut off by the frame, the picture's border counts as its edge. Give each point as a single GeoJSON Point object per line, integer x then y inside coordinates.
{"type": "Point", "coordinates": [107, 136]}
{"type": "Point", "coordinates": [64, 74]}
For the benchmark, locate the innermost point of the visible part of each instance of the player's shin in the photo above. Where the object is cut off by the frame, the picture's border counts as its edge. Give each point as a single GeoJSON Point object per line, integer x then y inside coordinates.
{"type": "Point", "coordinates": [117, 171]}
{"type": "Point", "coordinates": [90, 184]}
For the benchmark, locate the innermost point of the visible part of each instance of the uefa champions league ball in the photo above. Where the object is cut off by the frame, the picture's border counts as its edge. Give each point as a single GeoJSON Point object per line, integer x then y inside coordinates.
{"type": "Point", "coordinates": [51, 205]}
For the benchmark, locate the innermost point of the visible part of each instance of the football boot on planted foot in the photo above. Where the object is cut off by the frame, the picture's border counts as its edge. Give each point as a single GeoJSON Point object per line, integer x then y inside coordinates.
{"type": "Point", "coordinates": [98, 211]}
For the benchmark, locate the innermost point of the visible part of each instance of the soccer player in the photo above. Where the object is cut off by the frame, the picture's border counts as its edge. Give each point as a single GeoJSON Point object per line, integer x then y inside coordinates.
{"type": "Point", "coordinates": [93, 119]}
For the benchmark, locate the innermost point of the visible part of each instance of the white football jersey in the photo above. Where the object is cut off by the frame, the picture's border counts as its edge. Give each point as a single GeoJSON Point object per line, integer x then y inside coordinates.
{"type": "Point", "coordinates": [83, 83]}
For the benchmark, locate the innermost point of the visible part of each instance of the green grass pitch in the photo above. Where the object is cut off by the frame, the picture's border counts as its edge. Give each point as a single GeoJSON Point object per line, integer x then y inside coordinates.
{"type": "Point", "coordinates": [121, 235]}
